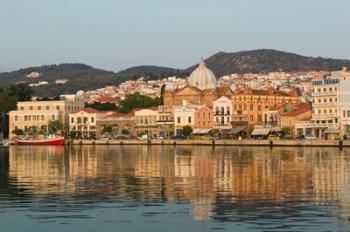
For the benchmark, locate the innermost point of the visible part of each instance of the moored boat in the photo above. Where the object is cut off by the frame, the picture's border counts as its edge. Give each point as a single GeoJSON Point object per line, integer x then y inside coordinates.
{"type": "Point", "coordinates": [45, 141]}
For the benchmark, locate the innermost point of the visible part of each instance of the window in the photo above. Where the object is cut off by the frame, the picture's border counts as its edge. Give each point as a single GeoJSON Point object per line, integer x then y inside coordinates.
{"type": "Point", "coordinates": [39, 107]}
{"type": "Point", "coordinates": [189, 119]}
{"type": "Point", "coordinates": [72, 120]}
{"type": "Point", "coordinates": [251, 118]}
{"type": "Point", "coordinates": [25, 118]}
{"type": "Point", "coordinates": [47, 107]}
{"type": "Point", "coordinates": [178, 120]}
{"type": "Point", "coordinates": [259, 107]}
{"type": "Point", "coordinates": [57, 107]}
{"type": "Point", "coordinates": [16, 118]}
{"type": "Point", "coordinates": [30, 107]}
{"type": "Point", "coordinates": [22, 108]}
{"type": "Point", "coordinates": [217, 110]}
{"type": "Point", "coordinates": [92, 119]}
{"type": "Point", "coordinates": [42, 118]}
{"type": "Point", "coordinates": [53, 117]}
{"type": "Point", "coordinates": [251, 106]}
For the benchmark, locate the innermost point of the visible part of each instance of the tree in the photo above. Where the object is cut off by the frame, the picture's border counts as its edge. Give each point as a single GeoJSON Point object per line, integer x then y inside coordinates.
{"type": "Point", "coordinates": [125, 132]}
{"type": "Point", "coordinates": [9, 97]}
{"type": "Point", "coordinates": [187, 131]}
{"type": "Point", "coordinates": [285, 131]}
{"type": "Point", "coordinates": [214, 132]}
{"type": "Point", "coordinates": [107, 129]}
{"type": "Point", "coordinates": [55, 125]}
{"type": "Point", "coordinates": [137, 101]}
{"type": "Point", "coordinates": [17, 132]}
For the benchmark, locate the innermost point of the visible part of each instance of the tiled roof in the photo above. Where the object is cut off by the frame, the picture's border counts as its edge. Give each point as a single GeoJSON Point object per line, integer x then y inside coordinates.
{"type": "Point", "coordinates": [298, 109]}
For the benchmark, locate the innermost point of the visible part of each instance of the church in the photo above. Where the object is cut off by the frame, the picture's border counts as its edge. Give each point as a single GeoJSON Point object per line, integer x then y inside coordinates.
{"type": "Point", "coordinates": [201, 89]}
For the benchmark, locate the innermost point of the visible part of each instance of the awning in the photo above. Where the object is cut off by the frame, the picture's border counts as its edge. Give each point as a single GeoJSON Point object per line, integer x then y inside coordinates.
{"type": "Point", "coordinates": [237, 129]}
{"type": "Point", "coordinates": [198, 131]}
{"type": "Point", "coordinates": [261, 131]}
{"type": "Point", "coordinates": [332, 131]}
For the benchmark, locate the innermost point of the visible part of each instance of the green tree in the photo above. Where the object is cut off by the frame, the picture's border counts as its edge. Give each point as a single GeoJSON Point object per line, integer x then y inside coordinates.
{"type": "Point", "coordinates": [9, 97]}
{"type": "Point", "coordinates": [137, 101]}
{"type": "Point", "coordinates": [214, 132]}
{"type": "Point", "coordinates": [55, 125]}
{"type": "Point", "coordinates": [125, 132]}
{"type": "Point", "coordinates": [107, 129]}
{"type": "Point", "coordinates": [17, 132]}
{"type": "Point", "coordinates": [187, 131]}
{"type": "Point", "coordinates": [285, 131]}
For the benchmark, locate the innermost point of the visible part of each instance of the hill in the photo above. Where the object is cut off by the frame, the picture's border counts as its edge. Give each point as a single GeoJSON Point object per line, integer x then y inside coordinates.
{"type": "Point", "coordinates": [79, 76]}
{"type": "Point", "coordinates": [267, 60]}
{"type": "Point", "coordinates": [151, 71]}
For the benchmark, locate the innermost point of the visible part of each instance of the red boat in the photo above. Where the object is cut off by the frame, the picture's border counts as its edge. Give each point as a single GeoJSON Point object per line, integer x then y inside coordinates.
{"type": "Point", "coordinates": [49, 141]}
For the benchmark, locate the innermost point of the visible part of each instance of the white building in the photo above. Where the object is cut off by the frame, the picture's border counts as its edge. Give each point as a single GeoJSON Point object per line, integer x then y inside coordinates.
{"type": "Point", "coordinates": [222, 108]}
{"type": "Point", "coordinates": [330, 107]}
{"type": "Point", "coordinates": [184, 116]}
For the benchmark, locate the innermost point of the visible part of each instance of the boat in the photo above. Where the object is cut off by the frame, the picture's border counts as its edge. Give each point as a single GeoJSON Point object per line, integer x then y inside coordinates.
{"type": "Point", "coordinates": [44, 141]}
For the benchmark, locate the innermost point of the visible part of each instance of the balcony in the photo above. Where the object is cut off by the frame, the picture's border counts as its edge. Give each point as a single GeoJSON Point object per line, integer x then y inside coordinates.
{"type": "Point", "coordinates": [316, 125]}
{"type": "Point", "coordinates": [327, 93]}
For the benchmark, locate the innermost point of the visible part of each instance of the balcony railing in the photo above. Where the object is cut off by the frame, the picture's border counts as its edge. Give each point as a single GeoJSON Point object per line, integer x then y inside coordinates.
{"type": "Point", "coordinates": [327, 93]}
{"type": "Point", "coordinates": [316, 125]}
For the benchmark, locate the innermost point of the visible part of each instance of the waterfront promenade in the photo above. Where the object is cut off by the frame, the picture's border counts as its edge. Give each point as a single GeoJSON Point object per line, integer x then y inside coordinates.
{"type": "Point", "coordinates": [221, 142]}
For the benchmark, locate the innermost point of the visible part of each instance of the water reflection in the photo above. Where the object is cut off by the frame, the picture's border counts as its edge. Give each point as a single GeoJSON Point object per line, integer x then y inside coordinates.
{"type": "Point", "coordinates": [249, 187]}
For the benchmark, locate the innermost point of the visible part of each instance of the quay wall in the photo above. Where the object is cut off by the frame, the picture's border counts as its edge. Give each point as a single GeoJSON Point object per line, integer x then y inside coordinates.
{"type": "Point", "coordinates": [244, 142]}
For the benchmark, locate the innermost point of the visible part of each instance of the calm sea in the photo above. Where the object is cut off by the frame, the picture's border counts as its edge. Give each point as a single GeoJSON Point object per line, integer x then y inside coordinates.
{"type": "Point", "coordinates": [140, 188]}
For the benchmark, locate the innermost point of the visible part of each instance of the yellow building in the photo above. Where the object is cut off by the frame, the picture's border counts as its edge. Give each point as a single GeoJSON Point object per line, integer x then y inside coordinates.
{"type": "Point", "coordinates": [37, 114]}
{"type": "Point", "coordinates": [251, 107]}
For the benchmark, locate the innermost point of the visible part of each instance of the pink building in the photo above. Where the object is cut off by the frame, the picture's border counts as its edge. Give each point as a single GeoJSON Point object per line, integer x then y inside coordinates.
{"type": "Point", "coordinates": [204, 118]}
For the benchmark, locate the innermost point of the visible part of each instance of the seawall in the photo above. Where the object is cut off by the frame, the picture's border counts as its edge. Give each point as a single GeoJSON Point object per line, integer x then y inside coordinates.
{"type": "Point", "coordinates": [244, 142]}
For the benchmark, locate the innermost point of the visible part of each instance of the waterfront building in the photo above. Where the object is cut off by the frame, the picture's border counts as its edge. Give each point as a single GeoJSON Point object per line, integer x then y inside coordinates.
{"type": "Point", "coordinates": [222, 108]}
{"type": "Point", "coordinates": [203, 120]}
{"type": "Point", "coordinates": [289, 117]}
{"type": "Point", "coordinates": [330, 107]}
{"type": "Point", "coordinates": [83, 123]}
{"type": "Point", "coordinates": [201, 89]}
{"type": "Point", "coordinates": [184, 115]}
{"type": "Point", "coordinates": [120, 123]}
{"type": "Point", "coordinates": [38, 114]}
{"type": "Point", "coordinates": [146, 122]}
{"type": "Point", "coordinates": [251, 106]}
{"type": "Point", "coordinates": [165, 121]}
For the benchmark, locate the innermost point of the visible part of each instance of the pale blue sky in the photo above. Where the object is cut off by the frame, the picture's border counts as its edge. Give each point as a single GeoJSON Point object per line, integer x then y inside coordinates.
{"type": "Point", "coordinates": [114, 34]}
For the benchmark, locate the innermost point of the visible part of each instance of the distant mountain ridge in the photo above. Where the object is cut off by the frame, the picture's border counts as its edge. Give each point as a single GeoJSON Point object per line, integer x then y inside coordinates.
{"type": "Point", "coordinates": [145, 70]}
{"type": "Point", "coordinates": [268, 60]}
{"type": "Point", "coordinates": [79, 76]}
{"type": "Point", "coordinates": [85, 77]}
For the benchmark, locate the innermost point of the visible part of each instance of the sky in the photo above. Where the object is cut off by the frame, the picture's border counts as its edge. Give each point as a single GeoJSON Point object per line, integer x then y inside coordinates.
{"type": "Point", "coordinates": [115, 34]}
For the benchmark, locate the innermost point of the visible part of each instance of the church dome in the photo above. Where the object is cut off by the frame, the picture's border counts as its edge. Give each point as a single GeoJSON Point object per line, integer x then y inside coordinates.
{"type": "Point", "coordinates": [202, 78]}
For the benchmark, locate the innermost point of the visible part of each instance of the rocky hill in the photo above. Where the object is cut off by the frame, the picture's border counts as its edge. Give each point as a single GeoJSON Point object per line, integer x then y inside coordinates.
{"type": "Point", "coordinates": [266, 60]}
{"type": "Point", "coordinates": [149, 70]}
{"type": "Point", "coordinates": [78, 76]}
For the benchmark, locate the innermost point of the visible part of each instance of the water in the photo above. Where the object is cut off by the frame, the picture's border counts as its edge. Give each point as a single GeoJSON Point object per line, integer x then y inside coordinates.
{"type": "Point", "coordinates": [140, 188]}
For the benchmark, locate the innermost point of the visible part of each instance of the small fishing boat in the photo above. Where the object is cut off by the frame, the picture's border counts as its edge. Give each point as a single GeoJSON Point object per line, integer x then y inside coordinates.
{"type": "Point", "coordinates": [44, 141]}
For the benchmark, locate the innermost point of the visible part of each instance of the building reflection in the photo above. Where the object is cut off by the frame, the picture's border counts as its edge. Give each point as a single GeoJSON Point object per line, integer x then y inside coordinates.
{"type": "Point", "coordinates": [218, 182]}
